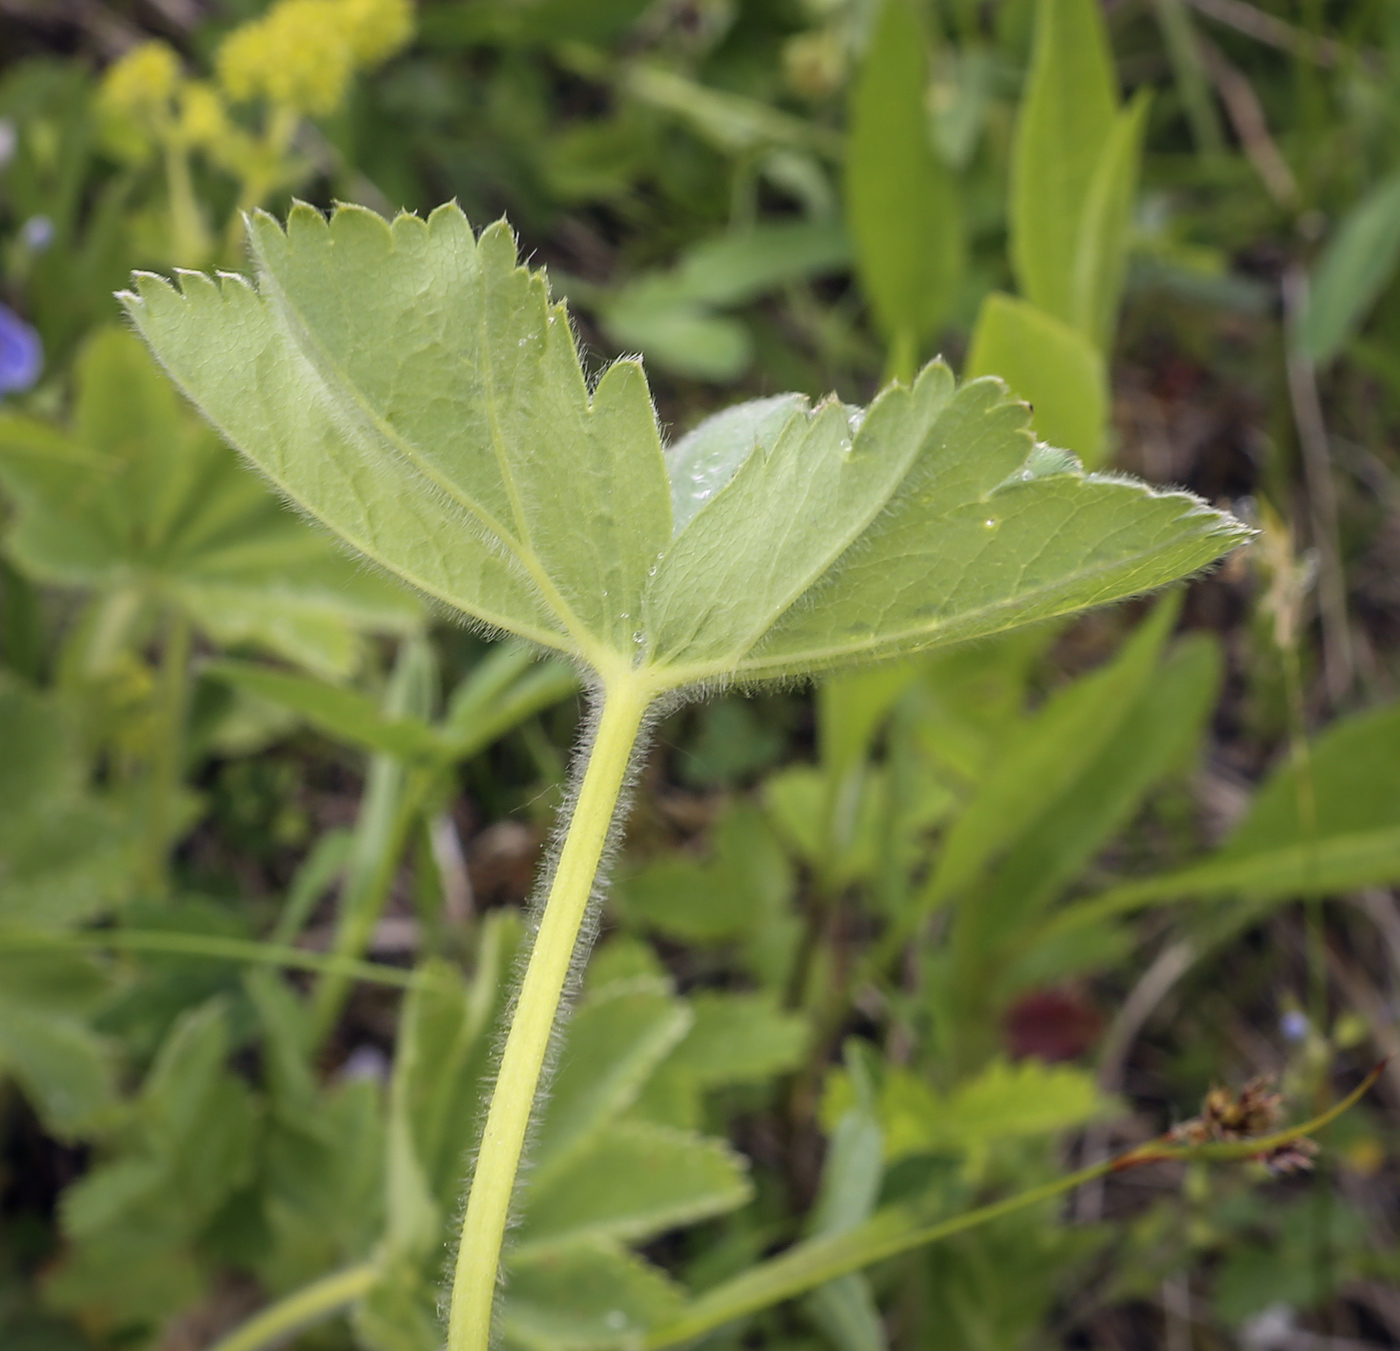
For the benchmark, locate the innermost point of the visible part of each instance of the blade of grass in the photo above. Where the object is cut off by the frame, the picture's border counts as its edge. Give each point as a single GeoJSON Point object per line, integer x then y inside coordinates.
{"type": "Point", "coordinates": [218, 948]}
{"type": "Point", "coordinates": [310, 1305]}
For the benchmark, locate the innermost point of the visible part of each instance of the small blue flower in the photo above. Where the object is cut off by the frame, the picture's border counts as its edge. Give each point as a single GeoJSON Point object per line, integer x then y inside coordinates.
{"type": "Point", "coordinates": [1294, 1025]}
{"type": "Point", "coordinates": [21, 353]}
{"type": "Point", "coordinates": [37, 233]}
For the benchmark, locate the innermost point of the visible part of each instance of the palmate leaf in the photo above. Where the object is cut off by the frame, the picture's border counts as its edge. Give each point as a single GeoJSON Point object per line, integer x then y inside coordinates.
{"type": "Point", "coordinates": [139, 494]}
{"type": "Point", "coordinates": [632, 1182]}
{"type": "Point", "coordinates": [414, 388]}
{"type": "Point", "coordinates": [65, 853]}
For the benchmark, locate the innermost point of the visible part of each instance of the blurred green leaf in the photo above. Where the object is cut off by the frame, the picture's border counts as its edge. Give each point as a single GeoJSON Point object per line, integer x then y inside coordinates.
{"type": "Point", "coordinates": [1101, 251]}
{"type": "Point", "coordinates": [389, 807]}
{"type": "Point", "coordinates": [1153, 735]}
{"type": "Point", "coordinates": [680, 335]}
{"type": "Point", "coordinates": [901, 201]}
{"type": "Point", "coordinates": [1003, 1101]}
{"type": "Point", "coordinates": [738, 1038]}
{"type": "Point", "coordinates": [631, 1183]}
{"type": "Point", "coordinates": [708, 900]}
{"type": "Point", "coordinates": [669, 316]}
{"type": "Point", "coordinates": [340, 712]}
{"type": "Point", "coordinates": [1277, 853]}
{"type": "Point", "coordinates": [65, 1069]}
{"type": "Point", "coordinates": [1066, 122]}
{"type": "Point", "coordinates": [730, 122]}
{"type": "Point", "coordinates": [65, 854]}
{"type": "Point", "coordinates": [1352, 271]}
{"type": "Point", "coordinates": [615, 1040]}
{"type": "Point", "coordinates": [588, 1297]}
{"type": "Point", "coordinates": [1075, 726]}
{"type": "Point", "coordinates": [141, 493]}
{"type": "Point", "coordinates": [1050, 365]}
{"type": "Point", "coordinates": [845, 1309]}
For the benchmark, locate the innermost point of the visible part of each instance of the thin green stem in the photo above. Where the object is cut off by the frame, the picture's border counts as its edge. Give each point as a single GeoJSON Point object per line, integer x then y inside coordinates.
{"type": "Point", "coordinates": [189, 238]}
{"type": "Point", "coordinates": [168, 754]}
{"type": "Point", "coordinates": [1305, 792]}
{"type": "Point", "coordinates": [892, 1231]}
{"type": "Point", "coordinates": [217, 948]}
{"type": "Point", "coordinates": [368, 884]}
{"type": "Point", "coordinates": [902, 359]}
{"type": "Point", "coordinates": [395, 792]}
{"type": "Point", "coordinates": [301, 1309]}
{"type": "Point", "coordinates": [625, 704]}
{"type": "Point", "coordinates": [900, 1229]}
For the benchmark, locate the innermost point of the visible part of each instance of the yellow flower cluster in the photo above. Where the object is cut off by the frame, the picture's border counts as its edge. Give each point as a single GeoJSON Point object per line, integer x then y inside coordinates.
{"type": "Point", "coordinates": [136, 100]}
{"type": "Point", "coordinates": [302, 53]}
{"type": "Point", "coordinates": [142, 83]}
{"type": "Point", "coordinates": [296, 60]}
{"type": "Point", "coordinates": [376, 29]}
{"type": "Point", "coordinates": [295, 57]}
{"type": "Point", "coordinates": [203, 118]}
{"type": "Point", "coordinates": [299, 56]}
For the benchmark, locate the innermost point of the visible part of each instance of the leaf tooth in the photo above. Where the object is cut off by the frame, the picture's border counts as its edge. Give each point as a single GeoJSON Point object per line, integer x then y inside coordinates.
{"type": "Point", "coordinates": [448, 221]}
{"type": "Point", "coordinates": [934, 377]}
{"type": "Point", "coordinates": [228, 279]}
{"type": "Point", "coordinates": [623, 382]}
{"type": "Point", "coordinates": [497, 247]}
{"type": "Point", "coordinates": [303, 220]}
{"type": "Point", "coordinates": [925, 399]}
{"type": "Point", "coordinates": [199, 288]}
{"type": "Point", "coordinates": [152, 290]}
{"type": "Point", "coordinates": [265, 232]}
{"type": "Point", "coordinates": [350, 226]}
{"type": "Point", "coordinates": [408, 230]}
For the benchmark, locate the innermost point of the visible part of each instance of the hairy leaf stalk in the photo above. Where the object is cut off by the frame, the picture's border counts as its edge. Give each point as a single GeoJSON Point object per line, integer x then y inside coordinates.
{"type": "Point", "coordinates": [625, 704]}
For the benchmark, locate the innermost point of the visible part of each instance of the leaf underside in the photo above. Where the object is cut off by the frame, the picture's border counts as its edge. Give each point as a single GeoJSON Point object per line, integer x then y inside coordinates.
{"type": "Point", "coordinates": [415, 389]}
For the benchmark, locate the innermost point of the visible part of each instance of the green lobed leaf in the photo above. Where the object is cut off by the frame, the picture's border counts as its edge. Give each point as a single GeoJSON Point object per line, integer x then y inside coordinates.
{"type": "Point", "coordinates": [980, 538]}
{"type": "Point", "coordinates": [414, 389]}
{"type": "Point", "coordinates": [613, 1043]}
{"type": "Point", "coordinates": [423, 416]}
{"type": "Point", "coordinates": [140, 493]}
{"type": "Point", "coordinates": [738, 1038]}
{"type": "Point", "coordinates": [587, 1297]}
{"type": "Point", "coordinates": [64, 1068]}
{"type": "Point", "coordinates": [631, 1183]}
{"type": "Point", "coordinates": [705, 459]}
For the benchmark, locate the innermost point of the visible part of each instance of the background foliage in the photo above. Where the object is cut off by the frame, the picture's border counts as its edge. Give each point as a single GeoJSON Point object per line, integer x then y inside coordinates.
{"type": "Point", "coordinates": [938, 929]}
